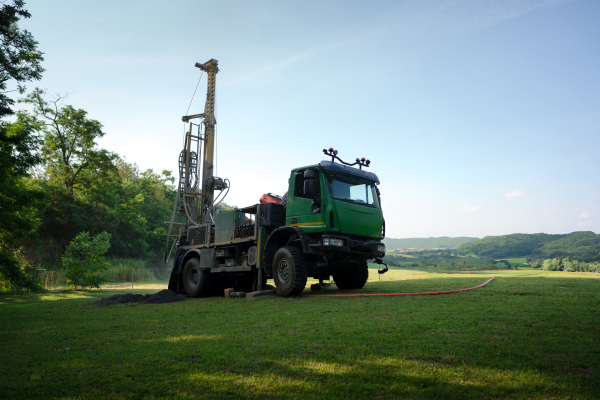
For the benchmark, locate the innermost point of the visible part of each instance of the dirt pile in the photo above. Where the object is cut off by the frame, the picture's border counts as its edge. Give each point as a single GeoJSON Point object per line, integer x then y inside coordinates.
{"type": "Point", "coordinates": [162, 297]}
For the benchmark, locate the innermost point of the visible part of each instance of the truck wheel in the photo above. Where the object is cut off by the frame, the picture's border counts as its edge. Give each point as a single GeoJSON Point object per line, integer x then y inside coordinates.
{"type": "Point", "coordinates": [289, 270]}
{"type": "Point", "coordinates": [196, 281]}
{"type": "Point", "coordinates": [284, 201]}
{"type": "Point", "coordinates": [352, 279]}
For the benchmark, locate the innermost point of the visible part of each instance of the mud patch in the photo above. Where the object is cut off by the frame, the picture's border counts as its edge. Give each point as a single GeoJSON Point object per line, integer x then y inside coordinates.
{"type": "Point", "coordinates": [162, 297]}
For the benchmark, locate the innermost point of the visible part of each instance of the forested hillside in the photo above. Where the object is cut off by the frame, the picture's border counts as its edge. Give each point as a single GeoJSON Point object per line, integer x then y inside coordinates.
{"type": "Point", "coordinates": [427, 243]}
{"type": "Point", "coordinates": [581, 245]}
{"type": "Point", "coordinates": [81, 187]}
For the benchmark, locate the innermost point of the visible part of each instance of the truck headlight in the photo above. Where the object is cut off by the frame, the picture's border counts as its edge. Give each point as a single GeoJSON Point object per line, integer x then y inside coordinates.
{"type": "Point", "coordinates": [381, 248]}
{"type": "Point", "coordinates": [333, 242]}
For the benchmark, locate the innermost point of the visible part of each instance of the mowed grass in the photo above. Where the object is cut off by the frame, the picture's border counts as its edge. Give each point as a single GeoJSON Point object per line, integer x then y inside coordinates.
{"type": "Point", "coordinates": [528, 334]}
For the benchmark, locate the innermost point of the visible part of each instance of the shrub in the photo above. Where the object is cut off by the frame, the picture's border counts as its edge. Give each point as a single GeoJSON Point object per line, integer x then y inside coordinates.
{"type": "Point", "coordinates": [83, 260]}
{"type": "Point", "coordinates": [12, 277]}
{"type": "Point", "coordinates": [534, 263]}
{"type": "Point", "coordinates": [552, 264]}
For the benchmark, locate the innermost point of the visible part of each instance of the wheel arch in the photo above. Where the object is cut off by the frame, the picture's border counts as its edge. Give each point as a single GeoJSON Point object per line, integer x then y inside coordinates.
{"type": "Point", "coordinates": [181, 257]}
{"type": "Point", "coordinates": [279, 238]}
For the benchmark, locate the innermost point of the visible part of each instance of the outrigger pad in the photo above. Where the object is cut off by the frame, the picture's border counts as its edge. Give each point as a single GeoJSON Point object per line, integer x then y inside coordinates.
{"type": "Point", "coordinates": [261, 293]}
{"type": "Point", "coordinates": [321, 286]}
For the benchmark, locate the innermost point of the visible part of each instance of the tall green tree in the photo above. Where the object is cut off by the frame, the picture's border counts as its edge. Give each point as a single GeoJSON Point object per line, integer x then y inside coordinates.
{"type": "Point", "coordinates": [18, 203]}
{"type": "Point", "coordinates": [70, 150]}
{"type": "Point", "coordinates": [20, 61]}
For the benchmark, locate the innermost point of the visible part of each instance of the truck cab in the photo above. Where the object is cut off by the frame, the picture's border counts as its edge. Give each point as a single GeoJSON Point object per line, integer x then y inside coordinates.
{"type": "Point", "coordinates": [333, 218]}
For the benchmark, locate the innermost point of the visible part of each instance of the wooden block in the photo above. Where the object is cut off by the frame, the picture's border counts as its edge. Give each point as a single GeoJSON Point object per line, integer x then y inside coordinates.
{"type": "Point", "coordinates": [237, 295]}
{"type": "Point", "coordinates": [228, 292]}
{"type": "Point", "coordinates": [261, 293]}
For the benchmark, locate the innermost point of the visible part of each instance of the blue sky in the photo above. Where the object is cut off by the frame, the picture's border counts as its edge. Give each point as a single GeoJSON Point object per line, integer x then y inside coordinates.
{"type": "Point", "coordinates": [479, 117]}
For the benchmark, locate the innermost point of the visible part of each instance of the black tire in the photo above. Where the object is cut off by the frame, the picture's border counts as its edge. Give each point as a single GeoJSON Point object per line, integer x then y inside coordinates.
{"type": "Point", "coordinates": [352, 279]}
{"type": "Point", "coordinates": [197, 282]}
{"type": "Point", "coordinates": [289, 271]}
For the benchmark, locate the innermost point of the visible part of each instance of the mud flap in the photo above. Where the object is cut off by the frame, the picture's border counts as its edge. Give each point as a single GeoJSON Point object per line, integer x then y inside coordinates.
{"type": "Point", "coordinates": [173, 280]}
{"type": "Point", "coordinates": [175, 284]}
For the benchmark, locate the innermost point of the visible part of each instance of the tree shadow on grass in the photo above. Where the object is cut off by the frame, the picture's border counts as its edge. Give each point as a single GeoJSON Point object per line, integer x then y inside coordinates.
{"type": "Point", "coordinates": [495, 342]}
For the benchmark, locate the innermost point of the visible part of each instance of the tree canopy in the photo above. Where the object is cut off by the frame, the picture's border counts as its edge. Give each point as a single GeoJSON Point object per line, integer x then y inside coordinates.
{"type": "Point", "coordinates": [20, 59]}
{"type": "Point", "coordinates": [69, 150]}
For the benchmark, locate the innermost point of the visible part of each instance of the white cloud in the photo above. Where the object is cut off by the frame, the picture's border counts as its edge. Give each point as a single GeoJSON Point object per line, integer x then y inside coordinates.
{"type": "Point", "coordinates": [515, 193]}
{"type": "Point", "coordinates": [470, 209]}
{"type": "Point", "coordinates": [584, 215]}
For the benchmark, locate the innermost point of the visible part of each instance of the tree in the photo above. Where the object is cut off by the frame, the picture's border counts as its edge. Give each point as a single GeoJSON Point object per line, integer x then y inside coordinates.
{"type": "Point", "coordinates": [534, 263]}
{"type": "Point", "coordinates": [20, 60]}
{"type": "Point", "coordinates": [84, 262]}
{"type": "Point", "coordinates": [18, 145]}
{"type": "Point", "coordinates": [69, 150]}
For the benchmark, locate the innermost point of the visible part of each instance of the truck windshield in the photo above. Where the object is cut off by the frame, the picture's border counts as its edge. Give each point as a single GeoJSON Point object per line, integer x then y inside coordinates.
{"type": "Point", "coordinates": [353, 190]}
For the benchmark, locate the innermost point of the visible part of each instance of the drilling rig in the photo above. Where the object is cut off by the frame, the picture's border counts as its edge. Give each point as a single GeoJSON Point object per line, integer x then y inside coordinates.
{"type": "Point", "coordinates": [328, 224]}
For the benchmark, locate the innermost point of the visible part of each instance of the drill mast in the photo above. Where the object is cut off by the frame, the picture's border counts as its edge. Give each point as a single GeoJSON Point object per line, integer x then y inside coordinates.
{"type": "Point", "coordinates": [209, 121]}
{"type": "Point", "coordinates": [195, 202]}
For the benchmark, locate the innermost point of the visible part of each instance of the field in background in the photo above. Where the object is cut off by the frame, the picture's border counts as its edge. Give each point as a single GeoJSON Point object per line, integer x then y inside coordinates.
{"type": "Point", "coordinates": [528, 334]}
{"type": "Point", "coordinates": [122, 272]}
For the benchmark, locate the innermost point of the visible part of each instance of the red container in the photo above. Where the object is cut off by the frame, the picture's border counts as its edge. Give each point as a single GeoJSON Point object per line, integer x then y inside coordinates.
{"type": "Point", "coordinates": [270, 198]}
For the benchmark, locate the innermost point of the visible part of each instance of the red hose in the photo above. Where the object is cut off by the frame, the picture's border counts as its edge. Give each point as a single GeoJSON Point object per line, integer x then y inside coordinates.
{"type": "Point", "coordinates": [398, 294]}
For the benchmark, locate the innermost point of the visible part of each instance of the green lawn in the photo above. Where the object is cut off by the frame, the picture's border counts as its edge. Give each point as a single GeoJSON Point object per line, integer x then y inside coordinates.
{"type": "Point", "coordinates": [528, 334]}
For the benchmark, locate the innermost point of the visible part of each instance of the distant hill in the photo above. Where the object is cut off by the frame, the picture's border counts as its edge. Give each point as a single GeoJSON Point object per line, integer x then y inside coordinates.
{"type": "Point", "coordinates": [443, 242]}
{"type": "Point", "coordinates": [583, 246]}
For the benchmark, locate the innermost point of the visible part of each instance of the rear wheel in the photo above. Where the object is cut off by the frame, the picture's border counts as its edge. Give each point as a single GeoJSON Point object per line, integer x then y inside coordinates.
{"type": "Point", "coordinates": [289, 270]}
{"type": "Point", "coordinates": [197, 282]}
{"type": "Point", "coordinates": [352, 279]}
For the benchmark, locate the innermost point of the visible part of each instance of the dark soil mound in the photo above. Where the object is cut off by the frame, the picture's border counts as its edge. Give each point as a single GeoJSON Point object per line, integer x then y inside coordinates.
{"type": "Point", "coordinates": [120, 299]}
{"type": "Point", "coordinates": [164, 296]}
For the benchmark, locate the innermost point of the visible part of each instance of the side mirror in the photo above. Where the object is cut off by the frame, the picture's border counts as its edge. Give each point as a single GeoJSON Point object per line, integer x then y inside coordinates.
{"type": "Point", "coordinates": [309, 183]}
{"type": "Point", "coordinates": [309, 187]}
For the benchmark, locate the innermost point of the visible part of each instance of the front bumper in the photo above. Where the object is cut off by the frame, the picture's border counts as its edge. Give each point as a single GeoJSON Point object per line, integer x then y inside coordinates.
{"type": "Point", "coordinates": [368, 249]}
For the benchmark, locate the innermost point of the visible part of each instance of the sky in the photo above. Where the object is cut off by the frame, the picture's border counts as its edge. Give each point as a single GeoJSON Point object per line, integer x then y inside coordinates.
{"type": "Point", "coordinates": [479, 117]}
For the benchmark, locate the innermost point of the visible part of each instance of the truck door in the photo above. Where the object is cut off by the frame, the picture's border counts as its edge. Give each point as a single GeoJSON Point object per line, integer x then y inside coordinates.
{"type": "Point", "coordinates": [303, 211]}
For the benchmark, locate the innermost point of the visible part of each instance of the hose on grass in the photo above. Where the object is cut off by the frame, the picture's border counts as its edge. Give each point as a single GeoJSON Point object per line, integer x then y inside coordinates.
{"type": "Point", "coordinates": [399, 294]}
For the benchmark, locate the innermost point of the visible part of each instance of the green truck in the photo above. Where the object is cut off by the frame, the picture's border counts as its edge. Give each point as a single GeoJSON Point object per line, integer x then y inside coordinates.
{"type": "Point", "coordinates": [329, 224]}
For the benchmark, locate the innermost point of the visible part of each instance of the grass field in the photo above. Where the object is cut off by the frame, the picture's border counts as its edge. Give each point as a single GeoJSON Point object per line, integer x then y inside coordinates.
{"type": "Point", "coordinates": [528, 334]}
